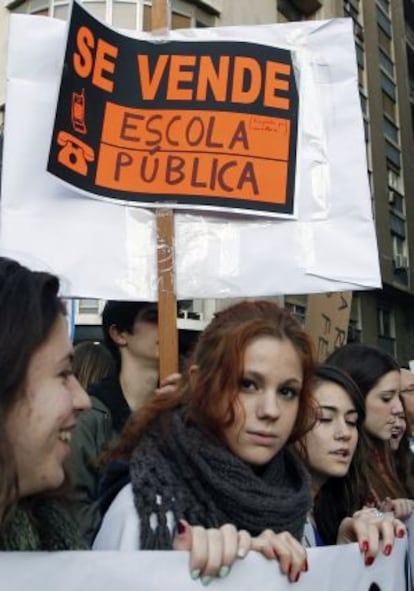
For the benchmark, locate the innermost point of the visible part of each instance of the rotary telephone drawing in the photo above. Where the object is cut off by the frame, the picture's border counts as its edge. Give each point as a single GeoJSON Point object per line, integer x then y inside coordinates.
{"type": "Point", "coordinates": [74, 153]}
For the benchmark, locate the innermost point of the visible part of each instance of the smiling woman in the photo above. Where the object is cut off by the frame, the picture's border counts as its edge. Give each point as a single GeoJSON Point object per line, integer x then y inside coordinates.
{"type": "Point", "coordinates": [39, 402]}
{"type": "Point", "coordinates": [215, 454]}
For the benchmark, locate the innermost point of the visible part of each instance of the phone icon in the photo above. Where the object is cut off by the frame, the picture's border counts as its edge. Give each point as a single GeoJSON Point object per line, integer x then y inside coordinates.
{"type": "Point", "coordinates": [78, 111]}
{"type": "Point", "coordinates": [74, 154]}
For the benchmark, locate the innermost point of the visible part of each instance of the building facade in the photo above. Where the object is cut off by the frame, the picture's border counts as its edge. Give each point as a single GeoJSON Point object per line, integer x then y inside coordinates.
{"type": "Point", "coordinates": [384, 37]}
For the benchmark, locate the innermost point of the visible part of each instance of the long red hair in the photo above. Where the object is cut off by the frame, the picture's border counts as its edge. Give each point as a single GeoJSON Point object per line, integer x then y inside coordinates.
{"type": "Point", "coordinates": [212, 390]}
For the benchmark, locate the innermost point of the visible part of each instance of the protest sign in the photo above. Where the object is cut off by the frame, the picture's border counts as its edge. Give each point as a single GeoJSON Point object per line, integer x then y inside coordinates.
{"type": "Point", "coordinates": [107, 249]}
{"type": "Point", "coordinates": [335, 567]}
{"type": "Point", "coordinates": [327, 319]}
{"type": "Point", "coordinates": [192, 124]}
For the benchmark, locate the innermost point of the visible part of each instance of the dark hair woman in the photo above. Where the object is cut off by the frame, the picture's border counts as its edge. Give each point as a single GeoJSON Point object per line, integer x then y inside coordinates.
{"type": "Point", "coordinates": [39, 402]}
{"type": "Point", "coordinates": [377, 375]}
{"type": "Point", "coordinates": [333, 451]}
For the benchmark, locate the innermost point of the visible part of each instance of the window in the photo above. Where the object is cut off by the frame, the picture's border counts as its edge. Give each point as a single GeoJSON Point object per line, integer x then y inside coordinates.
{"type": "Point", "coordinates": [394, 180]}
{"type": "Point", "coordinates": [388, 106]}
{"type": "Point", "coordinates": [391, 130]}
{"type": "Point", "coordinates": [385, 4]}
{"type": "Point", "coordinates": [384, 42]}
{"type": "Point", "coordinates": [386, 63]}
{"type": "Point", "coordinates": [393, 154]}
{"type": "Point", "coordinates": [386, 330]}
{"type": "Point", "coordinates": [297, 310]}
{"type": "Point", "coordinates": [124, 15]}
{"type": "Point", "coordinates": [388, 86]}
{"type": "Point", "coordinates": [384, 22]}
{"type": "Point", "coordinates": [386, 323]}
{"type": "Point", "coordinates": [397, 225]}
{"type": "Point", "coordinates": [88, 306]}
{"type": "Point", "coordinates": [351, 10]}
{"type": "Point", "coordinates": [359, 55]}
{"type": "Point", "coordinates": [178, 21]}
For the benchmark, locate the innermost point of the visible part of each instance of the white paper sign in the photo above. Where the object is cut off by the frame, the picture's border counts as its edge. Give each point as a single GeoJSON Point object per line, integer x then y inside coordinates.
{"type": "Point", "coordinates": [107, 250]}
{"type": "Point", "coordinates": [334, 568]}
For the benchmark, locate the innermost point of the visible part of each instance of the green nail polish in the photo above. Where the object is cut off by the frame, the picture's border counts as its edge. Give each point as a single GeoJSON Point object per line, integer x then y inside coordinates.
{"type": "Point", "coordinates": [206, 580]}
{"type": "Point", "coordinates": [195, 573]}
{"type": "Point", "coordinates": [224, 571]}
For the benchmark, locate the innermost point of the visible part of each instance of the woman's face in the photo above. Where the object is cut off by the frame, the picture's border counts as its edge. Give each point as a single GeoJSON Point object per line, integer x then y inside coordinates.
{"type": "Point", "coordinates": [398, 431]}
{"type": "Point", "coordinates": [382, 405]}
{"type": "Point", "coordinates": [331, 444]}
{"type": "Point", "coordinates": [268, 400]}
{"type": "Point", "coordinates": [41, 423]}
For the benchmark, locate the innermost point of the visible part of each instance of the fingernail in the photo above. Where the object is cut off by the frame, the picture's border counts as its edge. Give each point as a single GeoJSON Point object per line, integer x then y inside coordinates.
{"type": "Point", "coordinates": [181, 527]}
{"type": "Point", "coordinates": [297, 578]}
{"type": "Point", "coordinates": [306, 566]}
{"type": "Point", "coordinates": [224, 571]}
{"type": "Point", "coordinates": [401, 533]}
{"type": "Point", "coordinates": [195, 573]}
{"type": "Point", "coordinates": [241, 553]}
{"type": "Point", "coordinates": [206, 580]}
{"type": "Point", "coordinates": [369, 560]}
{"type": "Point", "coordinates": [387, 549]}
{"type": "Point", "coordinates": [364, 546]}
{"type": "Point", "coordinates": [276, 554]}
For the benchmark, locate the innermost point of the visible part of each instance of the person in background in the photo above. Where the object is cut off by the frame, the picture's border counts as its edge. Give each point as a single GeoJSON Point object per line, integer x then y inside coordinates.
{"type": "Point", "coordinates": [130, 331]}
{"type": "Point", "coordinates": [407, 394]}
{"type": "Point", "coordinates": [377, 375]}
{"type": "Point", "coordinates": [40, 402]}
{"type": "Point", "coordinates": [402, 454]}
{"type": "Point", "coordinates": [333, 452]}
{"type": "Point", "coordinates": [92, 362]}
{"type": "Point", "coordinates": [398, 431]}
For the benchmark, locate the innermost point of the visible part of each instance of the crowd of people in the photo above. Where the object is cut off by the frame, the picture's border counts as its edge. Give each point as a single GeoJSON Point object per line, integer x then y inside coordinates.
{"type": "Point", "coordinates": [254, 447]}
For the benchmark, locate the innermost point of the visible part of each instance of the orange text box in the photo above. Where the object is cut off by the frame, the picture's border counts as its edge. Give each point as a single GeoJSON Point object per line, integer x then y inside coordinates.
{"type": "Point", "coordinates": [201, 131]}
{"type": "Point", "coordinates": [192, 174]}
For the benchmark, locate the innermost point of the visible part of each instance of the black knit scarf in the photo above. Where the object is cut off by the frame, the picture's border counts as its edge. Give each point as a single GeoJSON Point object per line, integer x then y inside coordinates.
{"type": "Point", "coordinates": [40, 524]}
{"type": "Point", "coordinates": [177, 468]}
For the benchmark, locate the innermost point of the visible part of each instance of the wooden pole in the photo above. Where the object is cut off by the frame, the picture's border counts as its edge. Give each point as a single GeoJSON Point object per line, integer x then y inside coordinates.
{"type": "Point", "coordinates": [167, 302]}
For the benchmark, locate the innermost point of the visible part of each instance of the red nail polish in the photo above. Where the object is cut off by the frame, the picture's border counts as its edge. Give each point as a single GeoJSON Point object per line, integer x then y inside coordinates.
{"type": "Point", "coordinates": [387, 549]}
{"type": "Point", "coordinates": [297, 578]}
{"type": "Point", "coordinates": [364, 546]}
{"type": "Point", "coordinates": [181, 527]}
{"type": "Point", "coordinates": [369, 560]}
{"type": "Point", "coordinates": [401, 533]}
{"type": "Point", "coordinates": [276, 554]}
{"type": "Point", "coordinates": [306, 566]}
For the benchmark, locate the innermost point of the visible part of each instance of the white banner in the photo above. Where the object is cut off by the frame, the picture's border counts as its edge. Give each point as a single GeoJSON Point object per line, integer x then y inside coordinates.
{"type": "Point", "coordinates": [107, 250]}
{"type": "Point", "coordinates": [334, 568]}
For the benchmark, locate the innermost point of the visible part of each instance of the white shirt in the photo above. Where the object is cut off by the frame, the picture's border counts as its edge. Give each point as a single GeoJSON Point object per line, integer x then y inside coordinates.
{"type": "Point", "coordinates": [120, 527]}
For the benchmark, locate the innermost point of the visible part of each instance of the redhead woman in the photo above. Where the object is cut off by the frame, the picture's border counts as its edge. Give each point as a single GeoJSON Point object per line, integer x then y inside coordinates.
{"type": "Point", "coordinates": [377, 375]}
{"type": "Point", "coordinates": [333, 451]}
{"type": "Point", "coordinates": [214, 455]}
{"type": "Point", "coordinates": [40, 400]}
